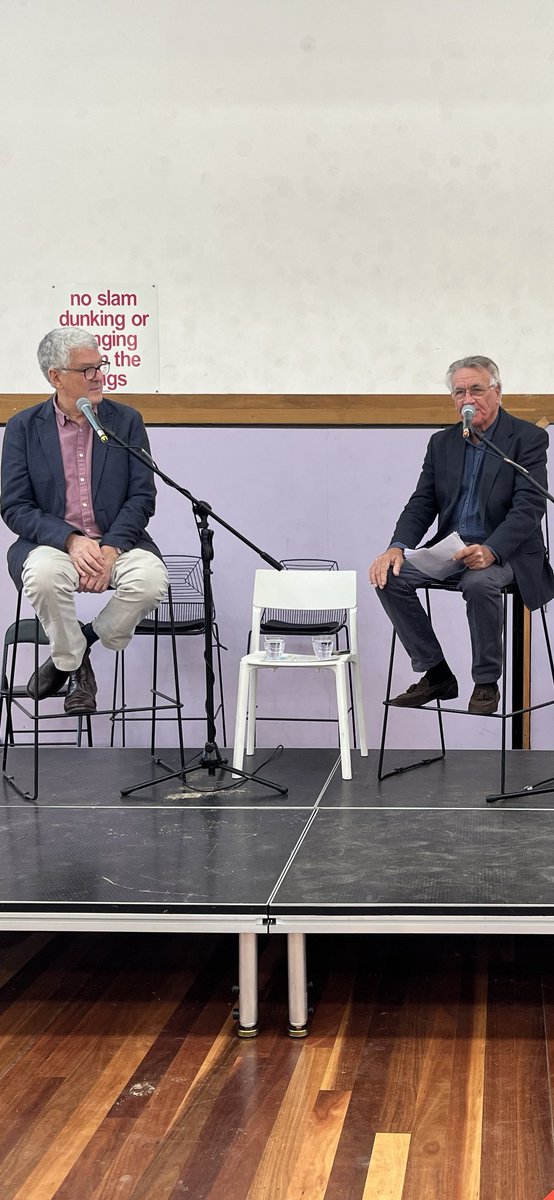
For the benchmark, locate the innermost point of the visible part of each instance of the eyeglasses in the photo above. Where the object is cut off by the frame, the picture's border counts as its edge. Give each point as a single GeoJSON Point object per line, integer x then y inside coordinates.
{"type": "Point", "coordinates": [475, 391]}
{"type": "Point", "coordinates": [90, 372]}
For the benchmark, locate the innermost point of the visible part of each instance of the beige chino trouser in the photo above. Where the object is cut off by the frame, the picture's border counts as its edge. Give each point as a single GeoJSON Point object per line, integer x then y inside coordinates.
{"type": "Point", "coordinates": [50, 582]}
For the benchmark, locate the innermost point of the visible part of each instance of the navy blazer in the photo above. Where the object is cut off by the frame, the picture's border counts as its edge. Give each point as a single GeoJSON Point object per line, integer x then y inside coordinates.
{"type": "Point", "coordinates": [33, 483]}
{"type": "Point", "coordinates": [511, 508]}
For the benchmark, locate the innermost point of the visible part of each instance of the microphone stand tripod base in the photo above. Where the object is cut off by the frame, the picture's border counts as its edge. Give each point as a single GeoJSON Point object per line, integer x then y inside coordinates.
{"type": "Point", "coordinates": [212, 761]}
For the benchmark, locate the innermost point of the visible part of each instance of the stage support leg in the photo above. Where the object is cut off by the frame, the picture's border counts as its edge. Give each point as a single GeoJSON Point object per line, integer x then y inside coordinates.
{"type": "Point", "coordinates": [248, 985]}
{"type": "Point", "coordinates": [298, 985]}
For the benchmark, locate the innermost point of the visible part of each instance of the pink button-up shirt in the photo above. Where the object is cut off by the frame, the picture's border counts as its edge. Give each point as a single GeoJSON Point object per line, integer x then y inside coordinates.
{"type": "Point", "coordinates": [76, 448]}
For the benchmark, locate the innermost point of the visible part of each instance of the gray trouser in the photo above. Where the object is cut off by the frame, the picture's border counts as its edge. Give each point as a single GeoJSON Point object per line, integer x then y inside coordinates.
{"type": "Point", "coordinates": [50, 581]}
{"type": "Point", "coordinates": [481, 591]}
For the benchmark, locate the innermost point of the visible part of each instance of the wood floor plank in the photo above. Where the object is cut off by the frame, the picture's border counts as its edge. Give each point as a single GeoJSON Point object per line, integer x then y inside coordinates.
{"type": "Point", "coordinates": [435, 1034]}
{"type": "Point", "coordinates": [387, 1167]}
{"type": "Point", "coordinates": [366, 1067]}
{"type": "Point", "coordinates": [517, 1152]}
{"type": "Point", "coordinates": [365, 971]}
{"type": "Point", "coordinates": [279, 1160]}
{"type": "Point", "coordinates": [464, 1128]}
{"type": "Point", "coordinates": [314, 1164]}
{"type": "Point", "coordinates": [95, 1163]}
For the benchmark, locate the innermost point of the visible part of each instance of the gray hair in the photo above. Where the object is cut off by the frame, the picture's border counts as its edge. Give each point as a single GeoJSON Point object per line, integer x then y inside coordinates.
{"type": "Point", "coordinates": [56, 346]}
{"type": "Point", "coordinates": [474, 360]}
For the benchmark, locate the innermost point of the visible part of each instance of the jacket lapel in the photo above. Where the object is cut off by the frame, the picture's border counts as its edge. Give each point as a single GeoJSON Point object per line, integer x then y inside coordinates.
{"type": "Point", "coordinates": [454, 467]}
{"type": "Point", "coordinates": [502, 437]}
{"type": "Point", "coordinates": [50, 444]}
{"type": "Point", "coordinates": [99, 452]}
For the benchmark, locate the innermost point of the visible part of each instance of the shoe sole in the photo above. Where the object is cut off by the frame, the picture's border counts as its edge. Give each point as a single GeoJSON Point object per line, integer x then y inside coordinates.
{"type": "Point", "coordinates": [452, 694]}
{"type": "Point", "coordinates": [51, 691]}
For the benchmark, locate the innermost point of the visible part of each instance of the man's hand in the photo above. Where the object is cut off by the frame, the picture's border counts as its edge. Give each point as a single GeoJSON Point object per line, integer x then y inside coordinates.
{"type": "Point", "coordinates": [379, 569]}
{"type": "Point", "coordinates": [85, 554]}
{"type": "Point", "coordinates": [100, 581]}
{"type": "Point", "coordinates": [475, 557]}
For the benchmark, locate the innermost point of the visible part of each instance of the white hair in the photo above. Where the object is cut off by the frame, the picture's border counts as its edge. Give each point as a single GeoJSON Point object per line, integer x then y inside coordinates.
{"type": "Point", "coordinates": [474, 360]}
{"type": "Point", "coordinates": [56, 347]}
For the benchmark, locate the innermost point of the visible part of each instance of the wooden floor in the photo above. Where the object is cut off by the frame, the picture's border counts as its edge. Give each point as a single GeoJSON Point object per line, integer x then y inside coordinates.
{"type": "Point", "coordinates": [427, 1074]}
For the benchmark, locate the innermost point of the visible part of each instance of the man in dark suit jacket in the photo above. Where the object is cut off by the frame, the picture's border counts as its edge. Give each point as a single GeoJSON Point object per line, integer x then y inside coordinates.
{"type": "Point", "coordinates": [79, 507]}
{"type": "Point", "coordinates": [497, 513]}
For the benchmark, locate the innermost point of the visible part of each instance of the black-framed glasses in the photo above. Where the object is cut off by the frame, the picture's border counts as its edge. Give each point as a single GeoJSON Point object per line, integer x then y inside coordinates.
{"type": "Point", "coordinates": [90, 372]}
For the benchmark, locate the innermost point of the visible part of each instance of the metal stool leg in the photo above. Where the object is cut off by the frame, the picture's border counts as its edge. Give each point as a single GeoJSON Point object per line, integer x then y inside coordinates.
{"type": "Point", "coordinates": [423, 762]}
{"type": "Point", "coordinates": [25, 795]}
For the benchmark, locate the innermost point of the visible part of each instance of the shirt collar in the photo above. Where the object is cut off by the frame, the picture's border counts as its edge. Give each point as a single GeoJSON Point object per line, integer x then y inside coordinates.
{"type": "Point", "coordinates": [61, 417]}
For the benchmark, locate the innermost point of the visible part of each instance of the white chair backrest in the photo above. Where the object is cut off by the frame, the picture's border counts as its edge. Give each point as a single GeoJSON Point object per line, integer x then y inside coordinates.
{"type": "Point", "coordinates": [303, 590]}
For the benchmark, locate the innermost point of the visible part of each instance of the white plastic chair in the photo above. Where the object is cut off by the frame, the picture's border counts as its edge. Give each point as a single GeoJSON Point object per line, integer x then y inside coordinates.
{"type": "Point", "coordinates": [301, 590]}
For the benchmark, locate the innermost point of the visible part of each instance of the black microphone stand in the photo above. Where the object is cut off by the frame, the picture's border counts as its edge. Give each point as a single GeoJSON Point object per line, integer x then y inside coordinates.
{"type": "Point", "coordinates": [211, 759]}
{"type": "Point", "coordinates": [540, 787]}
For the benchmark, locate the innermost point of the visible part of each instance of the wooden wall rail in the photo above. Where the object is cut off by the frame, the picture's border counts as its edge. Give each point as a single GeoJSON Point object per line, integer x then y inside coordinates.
{"type": "Point", "coordinates": [332, 410]}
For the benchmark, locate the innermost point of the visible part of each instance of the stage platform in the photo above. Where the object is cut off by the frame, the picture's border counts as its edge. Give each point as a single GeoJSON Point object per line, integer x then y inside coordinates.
{"type": "Point", "coordinates": [421, 852]}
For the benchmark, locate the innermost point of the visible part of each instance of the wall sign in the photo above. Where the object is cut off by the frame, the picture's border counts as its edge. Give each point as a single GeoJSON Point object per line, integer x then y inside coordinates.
{"type": "Point", "coordinates": [124, 321]}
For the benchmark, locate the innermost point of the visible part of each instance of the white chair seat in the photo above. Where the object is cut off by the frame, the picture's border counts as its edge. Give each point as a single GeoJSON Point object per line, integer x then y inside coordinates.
{"type": "Point", "coordinates": [301, 590]}
{"type": "Point", "coordinates": [260, 659]}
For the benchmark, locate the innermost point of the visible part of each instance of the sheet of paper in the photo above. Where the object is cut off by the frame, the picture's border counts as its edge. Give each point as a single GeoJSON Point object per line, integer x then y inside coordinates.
{"type": "Point", "coordinates": [436, 560]}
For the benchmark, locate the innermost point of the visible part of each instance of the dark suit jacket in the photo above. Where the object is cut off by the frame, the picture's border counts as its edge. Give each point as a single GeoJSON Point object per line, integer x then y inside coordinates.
{"type": "Point", "coordinates": [33, 483]}
{"type": "Point", "coordinates": [511, 508]}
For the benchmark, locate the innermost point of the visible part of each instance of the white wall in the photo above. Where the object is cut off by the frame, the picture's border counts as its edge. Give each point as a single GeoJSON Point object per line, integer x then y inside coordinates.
{"type": "Point", "coordinates": [331, 197]}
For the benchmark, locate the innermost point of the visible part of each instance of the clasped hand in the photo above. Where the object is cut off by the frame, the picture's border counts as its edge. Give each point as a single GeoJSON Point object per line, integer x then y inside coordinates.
{"type": "Point", "coordinates": [93, 562]}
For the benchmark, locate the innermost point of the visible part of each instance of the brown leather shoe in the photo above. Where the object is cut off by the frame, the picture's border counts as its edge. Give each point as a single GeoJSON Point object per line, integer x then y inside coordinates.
{"type": "Point", "coordinates": [50, 680]}
{"type": "Point", "coordinates": [81, 689]}
{"type": "Point", "coordinates": [484, 699]}
{"type": "Point", "coordinates": [423, 692]}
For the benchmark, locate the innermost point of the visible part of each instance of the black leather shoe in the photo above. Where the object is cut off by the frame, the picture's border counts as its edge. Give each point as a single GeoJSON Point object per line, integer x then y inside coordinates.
{"type": "Point", "coordinates": [50, 681]}
{"type": "Point", "coordinates": [484, 699]}
{"type": "Point", "coordinates": [422, 692]}
{"type": "Point", "coordinates": [81, 689]}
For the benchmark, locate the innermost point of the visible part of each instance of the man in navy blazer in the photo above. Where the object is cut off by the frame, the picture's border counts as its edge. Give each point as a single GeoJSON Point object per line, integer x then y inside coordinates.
{"type": "Point", "coordinates": [497, 512]}
{"type": "Point", "coordinates": [79, 507]}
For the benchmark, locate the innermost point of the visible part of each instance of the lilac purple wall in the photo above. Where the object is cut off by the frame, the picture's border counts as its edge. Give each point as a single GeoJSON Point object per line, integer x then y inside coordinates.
{"type": "Point", "coordinates": [329, 493]}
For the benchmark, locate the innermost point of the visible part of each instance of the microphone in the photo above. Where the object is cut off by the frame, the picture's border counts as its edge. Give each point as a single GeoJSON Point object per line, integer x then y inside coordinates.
{"type": "Point", "coordinates": [84, 406]}
{"type": "Point", "coordinates": [468, 413]}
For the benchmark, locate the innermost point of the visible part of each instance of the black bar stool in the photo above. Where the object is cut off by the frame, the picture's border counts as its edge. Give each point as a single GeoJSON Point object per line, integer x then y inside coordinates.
{"type": "Point", "coordinates": [29, 631]}
{"type": "Point", "coordinates": [515, 713]}
{"type": "Point", "coordinates": [186, 597]}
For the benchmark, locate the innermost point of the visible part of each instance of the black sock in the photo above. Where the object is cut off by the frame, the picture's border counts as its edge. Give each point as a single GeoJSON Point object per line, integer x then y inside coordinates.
{"type": "Point", "coordinates": [90, 635]}
{"type": "Point", "coordinates": [439, 673]}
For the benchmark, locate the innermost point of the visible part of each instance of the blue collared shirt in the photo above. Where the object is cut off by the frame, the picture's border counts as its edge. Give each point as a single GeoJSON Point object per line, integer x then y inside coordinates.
{"type": "Point", "coordinates": [466, 517]}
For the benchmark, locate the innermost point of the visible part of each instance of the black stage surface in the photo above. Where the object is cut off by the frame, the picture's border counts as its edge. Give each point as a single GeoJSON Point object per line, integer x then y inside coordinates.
{"type": "Point", "coordinates": [422, 851]}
